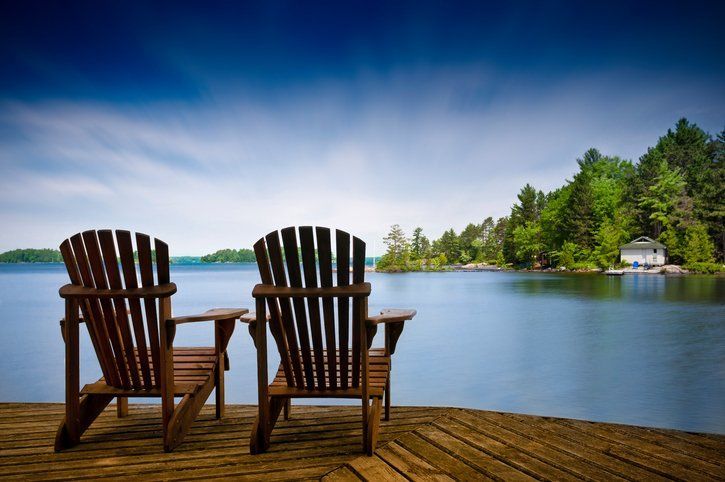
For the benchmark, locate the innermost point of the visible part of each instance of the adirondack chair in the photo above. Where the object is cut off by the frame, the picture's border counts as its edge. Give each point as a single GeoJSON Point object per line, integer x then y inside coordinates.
{"type": "Point", "coordinates": [336, 361]}
{"type": "Point", "coordinates": [137, 359]}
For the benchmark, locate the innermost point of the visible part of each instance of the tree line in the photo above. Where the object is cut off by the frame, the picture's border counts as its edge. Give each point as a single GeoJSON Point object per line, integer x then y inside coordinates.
{"type": "Point", "coordinates": [31, 256]}
{"type": "Point", "coordinates": [230, 256]}
{"type": "Point", "coordinates": [675, 194]}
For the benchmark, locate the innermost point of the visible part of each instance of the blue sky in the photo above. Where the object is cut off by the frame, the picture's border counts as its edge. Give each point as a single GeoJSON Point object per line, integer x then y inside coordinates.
{"type": "Point", "coordinates": [210, 125]}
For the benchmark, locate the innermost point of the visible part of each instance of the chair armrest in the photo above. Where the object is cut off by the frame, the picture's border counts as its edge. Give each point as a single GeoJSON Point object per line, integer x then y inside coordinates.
{"type": "Point", "coordinates": [159, 291]}
{"type": "Point", "coordinates": [80, 320]}
{"type": "Point", "coordinates": [251, 317]}
{"type": "Point", "coordinates": [359, 290]}
{"type": "Point", "coordinates": [391, 315]}
{"type": "Point", "coordinates": [211, 315]}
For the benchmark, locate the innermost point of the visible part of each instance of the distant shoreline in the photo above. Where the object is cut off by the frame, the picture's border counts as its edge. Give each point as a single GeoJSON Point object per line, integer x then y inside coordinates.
{"type": "Point", "coordinates": [667, 270]}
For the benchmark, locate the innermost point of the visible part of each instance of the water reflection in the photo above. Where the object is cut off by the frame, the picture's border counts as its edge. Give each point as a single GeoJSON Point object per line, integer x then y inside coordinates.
{"type": "Point", "coordinates": [647, 288]}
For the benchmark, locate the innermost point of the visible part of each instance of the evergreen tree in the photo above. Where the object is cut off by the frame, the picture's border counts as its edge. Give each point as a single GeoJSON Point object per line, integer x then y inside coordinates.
{"type": "Point", "coordinates": [526, 211]}
{"type": "Point", "coordinates": [578, 216]}
{"type": "Point", "coordinates": [397, 256]}
{"type": "Point", "coordinates": [610, 236]}
{"type": "Point", "coordinates": [699, 247]}
{"type": "Point", "coordinates": [419, 244]}
{"type": "Point", "coordinates": [448, 245]}
{"type": "Point", "coordinates": [662, 196]}
{"type": "Point", "coordinates": [470, 241]}
{"type": "Point", "coordinates": [396, 242]}
{"type": "Point", "coordinates": [528, 242]}
{"type": "Point", "coordinates": [709, 205]}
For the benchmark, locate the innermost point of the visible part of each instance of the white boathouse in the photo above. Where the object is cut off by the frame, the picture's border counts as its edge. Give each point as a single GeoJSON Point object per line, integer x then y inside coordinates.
{"type": "Point", "coordinates": [644, 251]}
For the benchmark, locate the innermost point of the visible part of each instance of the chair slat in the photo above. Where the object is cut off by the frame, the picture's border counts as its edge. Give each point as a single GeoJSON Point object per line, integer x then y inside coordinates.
{"type": "Point", "coordinates": [358, 276]}
{"type": "Point", "coordinates": [277, 321]}
{"type": "Point", "coordinates": [145, 264]}
{"type": "Point", "coordinates": [289, 241]}
{"type": "Point", "coordinates": [162, 262]}
{"type": "Point", "coordinates": [307, 245]}
{"type": "Point", "coordinates": [95, 312]}
{"type": "Point", "coordinates": [110, 261]}
{"type": "Point", "coordinates": [342, 244]}
{"type": "Point", "coordinates": [93, 251]}
{"type": "Point", "coordinates": [125, 251]}
{"type": "Point", "coordinates": [324, 254]}
{"type": "Point", "coordinates": [289, 324]}
{"type": "Point", "coordinates": [75, 278]}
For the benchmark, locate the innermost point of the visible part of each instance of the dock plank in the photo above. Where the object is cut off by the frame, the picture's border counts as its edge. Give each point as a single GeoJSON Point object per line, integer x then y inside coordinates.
{"type": "Point", "coordinates": [418, 443]}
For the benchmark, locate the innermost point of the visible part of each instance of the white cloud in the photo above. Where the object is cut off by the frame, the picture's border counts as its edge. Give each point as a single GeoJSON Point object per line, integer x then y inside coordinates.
{"type": "Point", "coordinates": [407, 149]}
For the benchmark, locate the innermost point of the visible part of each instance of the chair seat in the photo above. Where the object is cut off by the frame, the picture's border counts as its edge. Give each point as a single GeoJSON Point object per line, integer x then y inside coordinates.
{"type": "Point", "coordinates": [379, 372]}
{"type": "Point", "coordinates": [193, 366]}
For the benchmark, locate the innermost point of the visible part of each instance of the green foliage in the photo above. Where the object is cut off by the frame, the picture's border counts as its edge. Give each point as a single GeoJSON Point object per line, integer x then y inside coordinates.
{"type": "Point", "coordinates": [397, 243]}
{"type": "Point", "coordinates": [675, 193]}
{"type": "Point", "coordinates": [409, 255]}
{"type": "Point", "coordinates": [31, 256]}
{"type": "Point", "coordinates": [610, 237]}
{"type": "Point", "coordinates": [565, 256]}
{"type": "Point", "coordinates": [449, 245]}
{"type": "Point", "coordinates": [185, 260]}
{"type": "Point", "coordinates": [705, 268]}
{"type": "Point", "coordinates": [419, 245]}
{"type": "Point", "coordinates": [397, 257]}
{"type": "Point", "coordinates": [523, 214]}
{"type": "Point", "coordinates": [470, 242]}
{"type": "Point", "coordinates": [661, 197]}
{"type": "Point", "coordinates": [528, 242]}
{"type": "Point", "coordinates": [135, 256]}
{"type": "Point", "coordinates": [230, 256]}
{"type": "Point", "coordinates": [698, 247]}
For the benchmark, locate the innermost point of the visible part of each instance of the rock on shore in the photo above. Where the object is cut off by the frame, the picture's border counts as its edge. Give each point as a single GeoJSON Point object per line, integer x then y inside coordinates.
{"type": "Point", "coordinates": [673, 269]}
{"type": "Point", "coordinates": [477, 267]}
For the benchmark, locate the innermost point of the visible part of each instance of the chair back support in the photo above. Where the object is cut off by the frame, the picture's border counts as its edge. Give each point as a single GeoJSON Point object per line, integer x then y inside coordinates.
{"type": "Point", "coordinates": [308, 338]}
{"type": "Point", "coordinates": [92, 260]}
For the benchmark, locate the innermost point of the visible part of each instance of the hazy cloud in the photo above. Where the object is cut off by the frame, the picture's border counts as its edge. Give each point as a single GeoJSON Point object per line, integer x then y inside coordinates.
{"type": "Point", "coordinates": [436, 148]}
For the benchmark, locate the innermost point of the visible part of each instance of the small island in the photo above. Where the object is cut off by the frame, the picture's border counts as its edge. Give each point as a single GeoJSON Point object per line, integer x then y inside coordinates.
{"type": "Point", "coordinates": [230, 256]}
{"type": "Point", "coordinates": [31, 255]}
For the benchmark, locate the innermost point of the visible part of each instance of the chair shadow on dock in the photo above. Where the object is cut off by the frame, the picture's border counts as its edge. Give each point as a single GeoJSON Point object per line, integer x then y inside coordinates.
{"type": "Point", "coordinates": [324, 442]}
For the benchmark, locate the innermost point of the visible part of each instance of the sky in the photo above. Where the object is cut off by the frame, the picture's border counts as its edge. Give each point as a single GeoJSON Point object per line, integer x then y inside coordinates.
{"type": "Point", "coordinates": [210, 124]}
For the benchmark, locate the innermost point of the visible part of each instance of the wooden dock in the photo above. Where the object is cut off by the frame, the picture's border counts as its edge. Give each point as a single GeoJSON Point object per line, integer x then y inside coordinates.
{"type": "Point", "coordinates": [418, 443]}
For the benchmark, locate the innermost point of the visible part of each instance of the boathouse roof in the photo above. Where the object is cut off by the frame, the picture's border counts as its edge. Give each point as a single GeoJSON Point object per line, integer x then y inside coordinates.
{"type": "Point", "coordinates": [643, 242]}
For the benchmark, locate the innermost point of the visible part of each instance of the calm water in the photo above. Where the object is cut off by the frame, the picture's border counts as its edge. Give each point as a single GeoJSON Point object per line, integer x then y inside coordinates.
{"type": "Point", "coordinates": [647, 350]}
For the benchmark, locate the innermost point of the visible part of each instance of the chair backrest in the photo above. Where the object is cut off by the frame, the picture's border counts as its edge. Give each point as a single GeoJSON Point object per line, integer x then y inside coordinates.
{"type": "Point", "coordinates": [92, 261]}
{"type": "Point", "coordinates": [303, 332]}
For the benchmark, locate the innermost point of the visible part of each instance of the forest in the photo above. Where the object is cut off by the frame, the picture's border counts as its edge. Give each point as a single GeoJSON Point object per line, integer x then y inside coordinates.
{"type": "Point", "coordinates": [230, 256]}
{"type": "Point", "coordinates": [31, 256]}
{"type": "Point", "coordinates": [675, 193]}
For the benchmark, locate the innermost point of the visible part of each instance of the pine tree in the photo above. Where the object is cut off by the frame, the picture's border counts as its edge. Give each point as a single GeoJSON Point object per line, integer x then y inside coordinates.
{"type": "Point", "coordinates": [662, 196]}
{"type": "Point", "coordinates": [698, 245]}
{"type": "Point", "coordinates": [396, 242]}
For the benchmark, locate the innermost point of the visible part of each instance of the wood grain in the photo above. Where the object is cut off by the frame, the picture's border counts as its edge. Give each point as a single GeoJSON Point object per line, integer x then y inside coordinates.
{"type": "Point", "coordinates": [419, 443]}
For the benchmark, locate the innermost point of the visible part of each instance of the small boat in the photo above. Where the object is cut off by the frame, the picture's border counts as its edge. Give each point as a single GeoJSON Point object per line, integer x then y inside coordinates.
{"type": "Point", "coordinates": [614, 272]}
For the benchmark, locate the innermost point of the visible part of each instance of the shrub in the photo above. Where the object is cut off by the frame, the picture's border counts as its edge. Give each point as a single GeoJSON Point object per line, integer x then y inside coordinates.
{"type": "Point", "coordinates": [705, 268]}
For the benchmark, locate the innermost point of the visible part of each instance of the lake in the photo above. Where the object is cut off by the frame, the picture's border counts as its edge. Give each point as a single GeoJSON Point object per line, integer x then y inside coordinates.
{"type": "Point", "coordinates": [639, 349]}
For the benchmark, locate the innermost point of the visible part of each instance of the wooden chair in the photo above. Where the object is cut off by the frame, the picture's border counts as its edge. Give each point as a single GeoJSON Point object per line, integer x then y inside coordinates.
{"type": "Point", "coordinates": [138, 358]}
{"type": "Point", "coordinates": [325, 355]}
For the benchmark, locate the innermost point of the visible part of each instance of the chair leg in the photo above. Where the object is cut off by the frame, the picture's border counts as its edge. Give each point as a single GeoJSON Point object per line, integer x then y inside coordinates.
{"type": "Point", "coordinates": [79, 419]}
{"type": "Point", "coordinates": [69, 432]}
{"type": "Point", "coordinates": [219, 390]}
{"type": "Point", "coordinates": [259, 441]}
{"type": "Point", "coordinates": [287, 408]}
{"type": "Point", "coordinates": [387, 399]}
{"type": "Point", "coordinates": [184, 415]}
{"type": "Point", "coordinates": [373, 428]}
{"type": "Point", "coordinates": [122, 407]}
